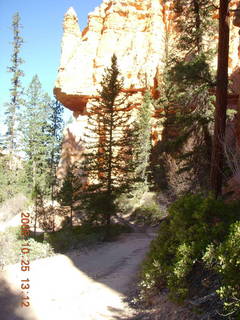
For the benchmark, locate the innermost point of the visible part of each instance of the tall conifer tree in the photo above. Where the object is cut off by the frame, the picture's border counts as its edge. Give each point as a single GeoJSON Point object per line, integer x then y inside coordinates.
{"type": "Point", "coordinates": [36, 139]}
{"type": "Point", "coordinates": [55, 132]}
{"type": "Point", "coordinates": [142, 143]}
{"type": "Point", "coordinates": [109, 145]}
{"type": "Point", "coordinates": [194, 21]}
{"type": "Point", "coordinates": [186, 96]}
{"type": "Point", "coordinates": [16, 90]}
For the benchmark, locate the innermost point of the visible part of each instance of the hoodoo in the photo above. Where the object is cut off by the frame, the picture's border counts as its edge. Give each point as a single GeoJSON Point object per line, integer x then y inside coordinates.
{"type": "Point", "coordinates": [134, 30]}
{"type": "Point", "coordinates": [140, 33]}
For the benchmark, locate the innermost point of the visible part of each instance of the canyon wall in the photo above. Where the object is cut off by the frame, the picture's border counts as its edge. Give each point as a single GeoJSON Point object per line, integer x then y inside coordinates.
{"type": "Point", "coordinates": [136, 31]}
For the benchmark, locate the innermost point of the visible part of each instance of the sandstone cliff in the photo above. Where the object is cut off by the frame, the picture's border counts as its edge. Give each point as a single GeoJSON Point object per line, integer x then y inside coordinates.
{"type": "Point", "coordinates": [136, 32]}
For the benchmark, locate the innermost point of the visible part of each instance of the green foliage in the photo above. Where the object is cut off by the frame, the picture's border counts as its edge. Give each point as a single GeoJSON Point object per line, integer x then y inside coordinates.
{"type": "Point", "coordinates": [12, 182]}
{"type": "Point", "coordinates": [186, 99]}
{"type": "Point", "coordinates": [196, 71]}
{"type": "Point", "coordinates": [37, 197]}
{"type": "Point", "coordinates": [66, 193]}
{"type": "Point", "coordinates": [16, 90]}
{"type": "Point", "coordinates": [188, 109]}
{"type": "Point", "coordinates": [84, 235]}
{"type": "Point", "coordinates": [108, 146]}
{"type": "Point", "coordinates": [39, 250]}
{"type": "Point", "coordinates": [98, 205]}
{"type": "Point", "coordinates": [194, 22]}
{"type": "Point", "coordinates": [41, 136]}
{"type": "Point", "coordinates": [148, 213]}
{"type": "Point", "coordinates": [140, 158]}
{"type": "Point", "coordinates": [142, 142]}
{"type": "Point", "coordinates": [231, 114]}
{"type": "Point", "coordinates": [34, 126]}
{"type": "Point", "coordinates": [194, 223]}
{"type": "Point", "coordinates": [11, 244]}
{"type": "Point", "coordinates": [55, 133]}
{"type": "Point", "coordinates": [69, 191]}
{"type": "Point", "coordinates": [225, 259]}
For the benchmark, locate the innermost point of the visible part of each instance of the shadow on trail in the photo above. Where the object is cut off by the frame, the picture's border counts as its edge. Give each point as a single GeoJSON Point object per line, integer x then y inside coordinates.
{"type": "Point", "coordinates": [78, 285]}
{"type": "Point", "coordinates": [9, 303]}
{"type": "Point", "coordinates": [115, 263]}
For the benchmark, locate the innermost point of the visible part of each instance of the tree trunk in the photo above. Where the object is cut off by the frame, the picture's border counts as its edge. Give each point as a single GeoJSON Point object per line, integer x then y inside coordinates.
{"type": "Point", "coordinates": [35, 217]}
{"type": "Point", "coordinates": [109, 168]}
{"type": "Point", "coordinates": [71, 217]}
{"type": "Point", "coordinates": [221, 101]}
{"type": "Point", "coordinates": [198, 24]}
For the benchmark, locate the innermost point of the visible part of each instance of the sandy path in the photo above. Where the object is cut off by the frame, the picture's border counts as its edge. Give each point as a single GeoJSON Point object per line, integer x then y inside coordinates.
{"type": "Point", "coordinates": [78, 286]}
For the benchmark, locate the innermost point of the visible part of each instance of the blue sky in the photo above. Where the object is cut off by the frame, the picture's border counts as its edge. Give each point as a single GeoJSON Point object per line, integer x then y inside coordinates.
{"type": "Point", "coordinates": [42, 32]}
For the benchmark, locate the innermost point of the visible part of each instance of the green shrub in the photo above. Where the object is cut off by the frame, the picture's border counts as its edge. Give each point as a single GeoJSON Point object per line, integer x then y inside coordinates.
{"type": "Point", "coordinates": [39, 250]}
{"type": "Point", "coordinates": [148, 213]}
{"type": "Point", "coordinates": [11, 244]}
{"type": "Point", "coordinates": [85, 235]}
{"type": "Point", "coordinates": [98, 206]}
{"type": "Point", "coordinates": [12, 181]}
{"type": "Point", "coordinates": [225, 259]}
{"type": "Point", "coordinates": [194, 222]}
{"type": "Point", "coordinates": [43, 246]}
{"type": "Point", "coordinates": [142, 205]}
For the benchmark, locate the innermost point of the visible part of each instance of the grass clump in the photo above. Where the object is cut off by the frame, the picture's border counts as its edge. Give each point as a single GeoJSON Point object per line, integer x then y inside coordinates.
{"type": "Point", "coordinates": [194, 223]}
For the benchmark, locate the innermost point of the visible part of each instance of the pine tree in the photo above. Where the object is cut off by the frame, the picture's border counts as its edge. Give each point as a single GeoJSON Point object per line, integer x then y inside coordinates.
{"type": "Point", "coordinates": [37, 197]}
{"type": "Point", "coordinates": [16, 90]}
{"type": "Point", "coordinates": [55, 131]}
{"type": "Point", "coordinates": [12, 182]}
{"type": "Point", "coordinates": [142, 144]}
{"type": "Point", "coordinates": [186, 92]}
{"type": "Point", "coordinates": [109, 146]}
{"type": "Point", "coordinates": [36, 139]}
{"type": "Point", "coordinates": [194, 21]}
{"type": "Point", "coordinates": [67, 191]}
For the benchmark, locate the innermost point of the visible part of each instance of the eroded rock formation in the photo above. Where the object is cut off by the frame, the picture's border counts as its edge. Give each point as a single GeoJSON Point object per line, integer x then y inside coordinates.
{"type": "Point", "coordinates": [136, 32]}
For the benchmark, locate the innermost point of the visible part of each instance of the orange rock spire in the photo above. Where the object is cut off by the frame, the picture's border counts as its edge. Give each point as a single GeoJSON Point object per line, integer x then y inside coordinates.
{"type": "Point", "coordinates": [133, 30]}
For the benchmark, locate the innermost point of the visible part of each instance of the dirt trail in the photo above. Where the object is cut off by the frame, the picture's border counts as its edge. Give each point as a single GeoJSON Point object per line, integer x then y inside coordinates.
{"type": "Point", "coordinates": [81, 285]}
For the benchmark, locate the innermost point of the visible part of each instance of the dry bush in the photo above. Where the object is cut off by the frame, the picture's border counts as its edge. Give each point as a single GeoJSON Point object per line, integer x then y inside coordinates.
{"type": "Point", "coordinates": [49, 216]}
{"type": "Point", "coordinates": [52, 217]}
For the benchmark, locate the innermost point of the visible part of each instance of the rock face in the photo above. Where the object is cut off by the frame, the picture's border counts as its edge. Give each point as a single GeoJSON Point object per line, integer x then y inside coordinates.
{"type": "Point", "coordinates": [136, 31]}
